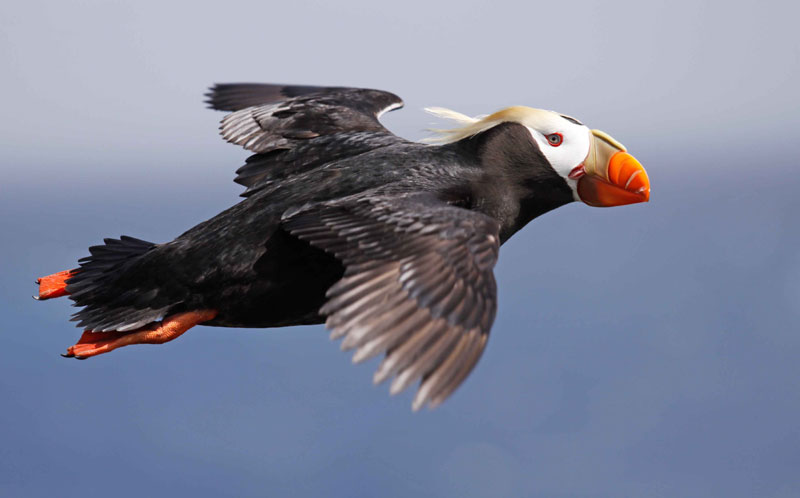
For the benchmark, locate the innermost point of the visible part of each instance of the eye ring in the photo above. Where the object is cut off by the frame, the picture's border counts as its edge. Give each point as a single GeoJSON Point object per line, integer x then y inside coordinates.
{"type": "Point", "coordinates": [555, 139]}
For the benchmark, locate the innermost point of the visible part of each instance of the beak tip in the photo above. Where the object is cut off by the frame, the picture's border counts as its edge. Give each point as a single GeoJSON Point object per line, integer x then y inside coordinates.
{"type": "Point", "coordinates": [613, 177]}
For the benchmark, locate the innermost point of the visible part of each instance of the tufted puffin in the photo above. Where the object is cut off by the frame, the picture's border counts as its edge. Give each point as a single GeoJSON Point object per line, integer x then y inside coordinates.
{"type": "Point", "coordinates": [390, 243]}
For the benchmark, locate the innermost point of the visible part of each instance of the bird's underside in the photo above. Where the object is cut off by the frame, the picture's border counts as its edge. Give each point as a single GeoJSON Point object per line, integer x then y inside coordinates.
{"type": "Point", "coordinates": [390, 243]}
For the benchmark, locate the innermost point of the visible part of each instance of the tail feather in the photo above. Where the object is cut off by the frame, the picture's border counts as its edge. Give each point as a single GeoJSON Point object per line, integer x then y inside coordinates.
{"type": "Point", "coordinates": [95, 269]}
{"type": "Point", "coordinates": [116, 292]}
{"type": "Point", "coordinates": [109, 305]}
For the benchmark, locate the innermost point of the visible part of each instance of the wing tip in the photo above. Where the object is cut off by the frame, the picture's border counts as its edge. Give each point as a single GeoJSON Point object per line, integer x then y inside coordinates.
{"type": "Point", "coordinates": [237, 96]}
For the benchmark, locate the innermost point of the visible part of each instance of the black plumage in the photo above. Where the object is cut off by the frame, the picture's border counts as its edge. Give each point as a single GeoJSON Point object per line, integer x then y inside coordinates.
{"type": "Point", "coordinates": [391, 243]}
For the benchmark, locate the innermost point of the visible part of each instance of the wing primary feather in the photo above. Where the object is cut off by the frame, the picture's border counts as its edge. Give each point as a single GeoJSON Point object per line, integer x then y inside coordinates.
{"type": "Point", "coordinates": [349, 282]}
{"type": "Point", "coordinates": [373, 346]}
{"type": "Point", "coordinates": [442, 372]}
{"type": "Point", "coordinates": [392, 336]}
{"type": "Point", "coordinates": [362, 308]}
{"type": "Point", "coordinates": [464, 370]}
{"type": "Point", "coordinates": [431, 357]}
{"type": "Point", "coordinates": [356, 293]}
{"type": "Point", "coordinates": [413, 349]}
{"type": "Point", "coordinates": [403, 354]}
{"type": "Point", "coordinates": [360, 332]}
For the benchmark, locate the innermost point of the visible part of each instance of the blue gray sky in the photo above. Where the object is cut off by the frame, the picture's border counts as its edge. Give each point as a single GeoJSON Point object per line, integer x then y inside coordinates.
{"type": "Point", "coordinates": [648, 350]}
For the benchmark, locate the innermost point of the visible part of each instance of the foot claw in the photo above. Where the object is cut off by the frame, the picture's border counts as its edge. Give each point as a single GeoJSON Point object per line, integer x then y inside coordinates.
{"type": "Point", "coordinates": [37, 298]}
{"type": "Point", "coordinates": [67, 355]}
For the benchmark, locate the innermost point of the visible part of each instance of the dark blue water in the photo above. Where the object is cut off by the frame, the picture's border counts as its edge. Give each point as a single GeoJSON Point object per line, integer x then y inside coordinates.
{"type": "Point", "coordinates": [648, 350]}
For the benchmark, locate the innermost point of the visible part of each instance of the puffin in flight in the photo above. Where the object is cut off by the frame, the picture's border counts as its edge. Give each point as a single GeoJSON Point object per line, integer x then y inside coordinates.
{"type": "Point", "coordinates": [390, 243]}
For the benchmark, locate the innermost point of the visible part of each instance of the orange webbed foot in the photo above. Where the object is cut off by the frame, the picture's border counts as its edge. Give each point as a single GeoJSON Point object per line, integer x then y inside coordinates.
{"type": "Point", "coordinates": [54, 285]}
{"type": "Point", "coordinates": [95, 343]}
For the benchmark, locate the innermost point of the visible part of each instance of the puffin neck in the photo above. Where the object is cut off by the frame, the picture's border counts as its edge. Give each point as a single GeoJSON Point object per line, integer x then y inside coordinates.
{"type": "Point", "coordinates": [518, 184]}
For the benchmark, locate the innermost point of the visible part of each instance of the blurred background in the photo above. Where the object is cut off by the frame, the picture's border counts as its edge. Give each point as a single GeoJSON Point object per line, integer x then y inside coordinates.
{"type": "Point", "coordinates": [648, 350]}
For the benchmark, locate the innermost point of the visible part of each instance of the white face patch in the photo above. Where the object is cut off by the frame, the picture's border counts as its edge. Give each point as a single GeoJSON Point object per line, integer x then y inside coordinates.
{"type": "Point", "coordinates": [570, 152]}
{"type": "Point", "coordinates": [563, 140]}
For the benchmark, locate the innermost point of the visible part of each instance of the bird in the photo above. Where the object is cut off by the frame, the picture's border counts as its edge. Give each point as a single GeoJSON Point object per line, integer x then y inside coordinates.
{"type": "Point", "coordinates": [390, 243]}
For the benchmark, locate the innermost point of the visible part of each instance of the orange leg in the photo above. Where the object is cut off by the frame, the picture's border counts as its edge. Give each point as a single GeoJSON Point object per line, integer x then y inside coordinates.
{"type": "Point", "coordinates": [54, 285]}
{"type": "Point", "coordinates": [95, 343]}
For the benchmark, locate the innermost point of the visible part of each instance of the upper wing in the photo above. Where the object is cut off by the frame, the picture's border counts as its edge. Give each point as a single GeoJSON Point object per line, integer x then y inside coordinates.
{"type": "Point", "coordinates": [418, 285]}
{"type": "Point", "coordinates": [293, 128]}
{"type": "Point", "coordinates": [236, 96]}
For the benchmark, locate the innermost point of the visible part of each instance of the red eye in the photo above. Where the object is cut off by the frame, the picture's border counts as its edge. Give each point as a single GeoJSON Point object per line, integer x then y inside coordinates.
{"type": "Point", "coordinates": [555, 139]}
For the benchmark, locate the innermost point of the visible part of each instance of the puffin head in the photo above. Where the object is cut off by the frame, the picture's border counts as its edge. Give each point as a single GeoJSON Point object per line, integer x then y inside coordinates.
{"type": "Point", "coordinates": [597, 168]}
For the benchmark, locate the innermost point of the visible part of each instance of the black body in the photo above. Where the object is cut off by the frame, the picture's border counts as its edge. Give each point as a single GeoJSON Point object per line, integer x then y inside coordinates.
{"type": "Point", "coordinates": [244, 264]}
{"type": "Point", "coordinates": [389, 240]}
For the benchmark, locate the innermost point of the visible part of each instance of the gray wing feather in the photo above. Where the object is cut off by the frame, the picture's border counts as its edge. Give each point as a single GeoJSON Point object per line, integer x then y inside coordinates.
{"type": "Point", "coordinates": [418, 286]}
{"type": "Point", "coordinates": [236, 96]}
{"type": "Point", "coordinates": [294, 128]}
{"type": "Point", "coordinates": [276, 122]}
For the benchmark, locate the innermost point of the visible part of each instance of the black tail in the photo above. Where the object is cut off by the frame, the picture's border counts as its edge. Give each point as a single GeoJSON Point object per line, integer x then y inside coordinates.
{"type": "Point", "coordinates": [104, 261]}
{"type": "Point", "coordinates": [113, 289]}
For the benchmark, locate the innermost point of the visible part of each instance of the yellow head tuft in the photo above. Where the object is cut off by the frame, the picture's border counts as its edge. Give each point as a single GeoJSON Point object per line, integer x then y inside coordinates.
{"type": "Point", "coordinates": [528, 116]}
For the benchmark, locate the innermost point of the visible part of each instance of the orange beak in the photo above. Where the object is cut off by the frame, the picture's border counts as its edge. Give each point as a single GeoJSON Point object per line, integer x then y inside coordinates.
{"type": "Point", "coordinates": [610, 176]}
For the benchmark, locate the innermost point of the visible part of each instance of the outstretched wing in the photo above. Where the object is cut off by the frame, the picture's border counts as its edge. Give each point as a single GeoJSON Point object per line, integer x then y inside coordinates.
{"type": "Point", "coordinates": [294, 128]}
{"type": "Point", "coordinates": [418, 285]}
